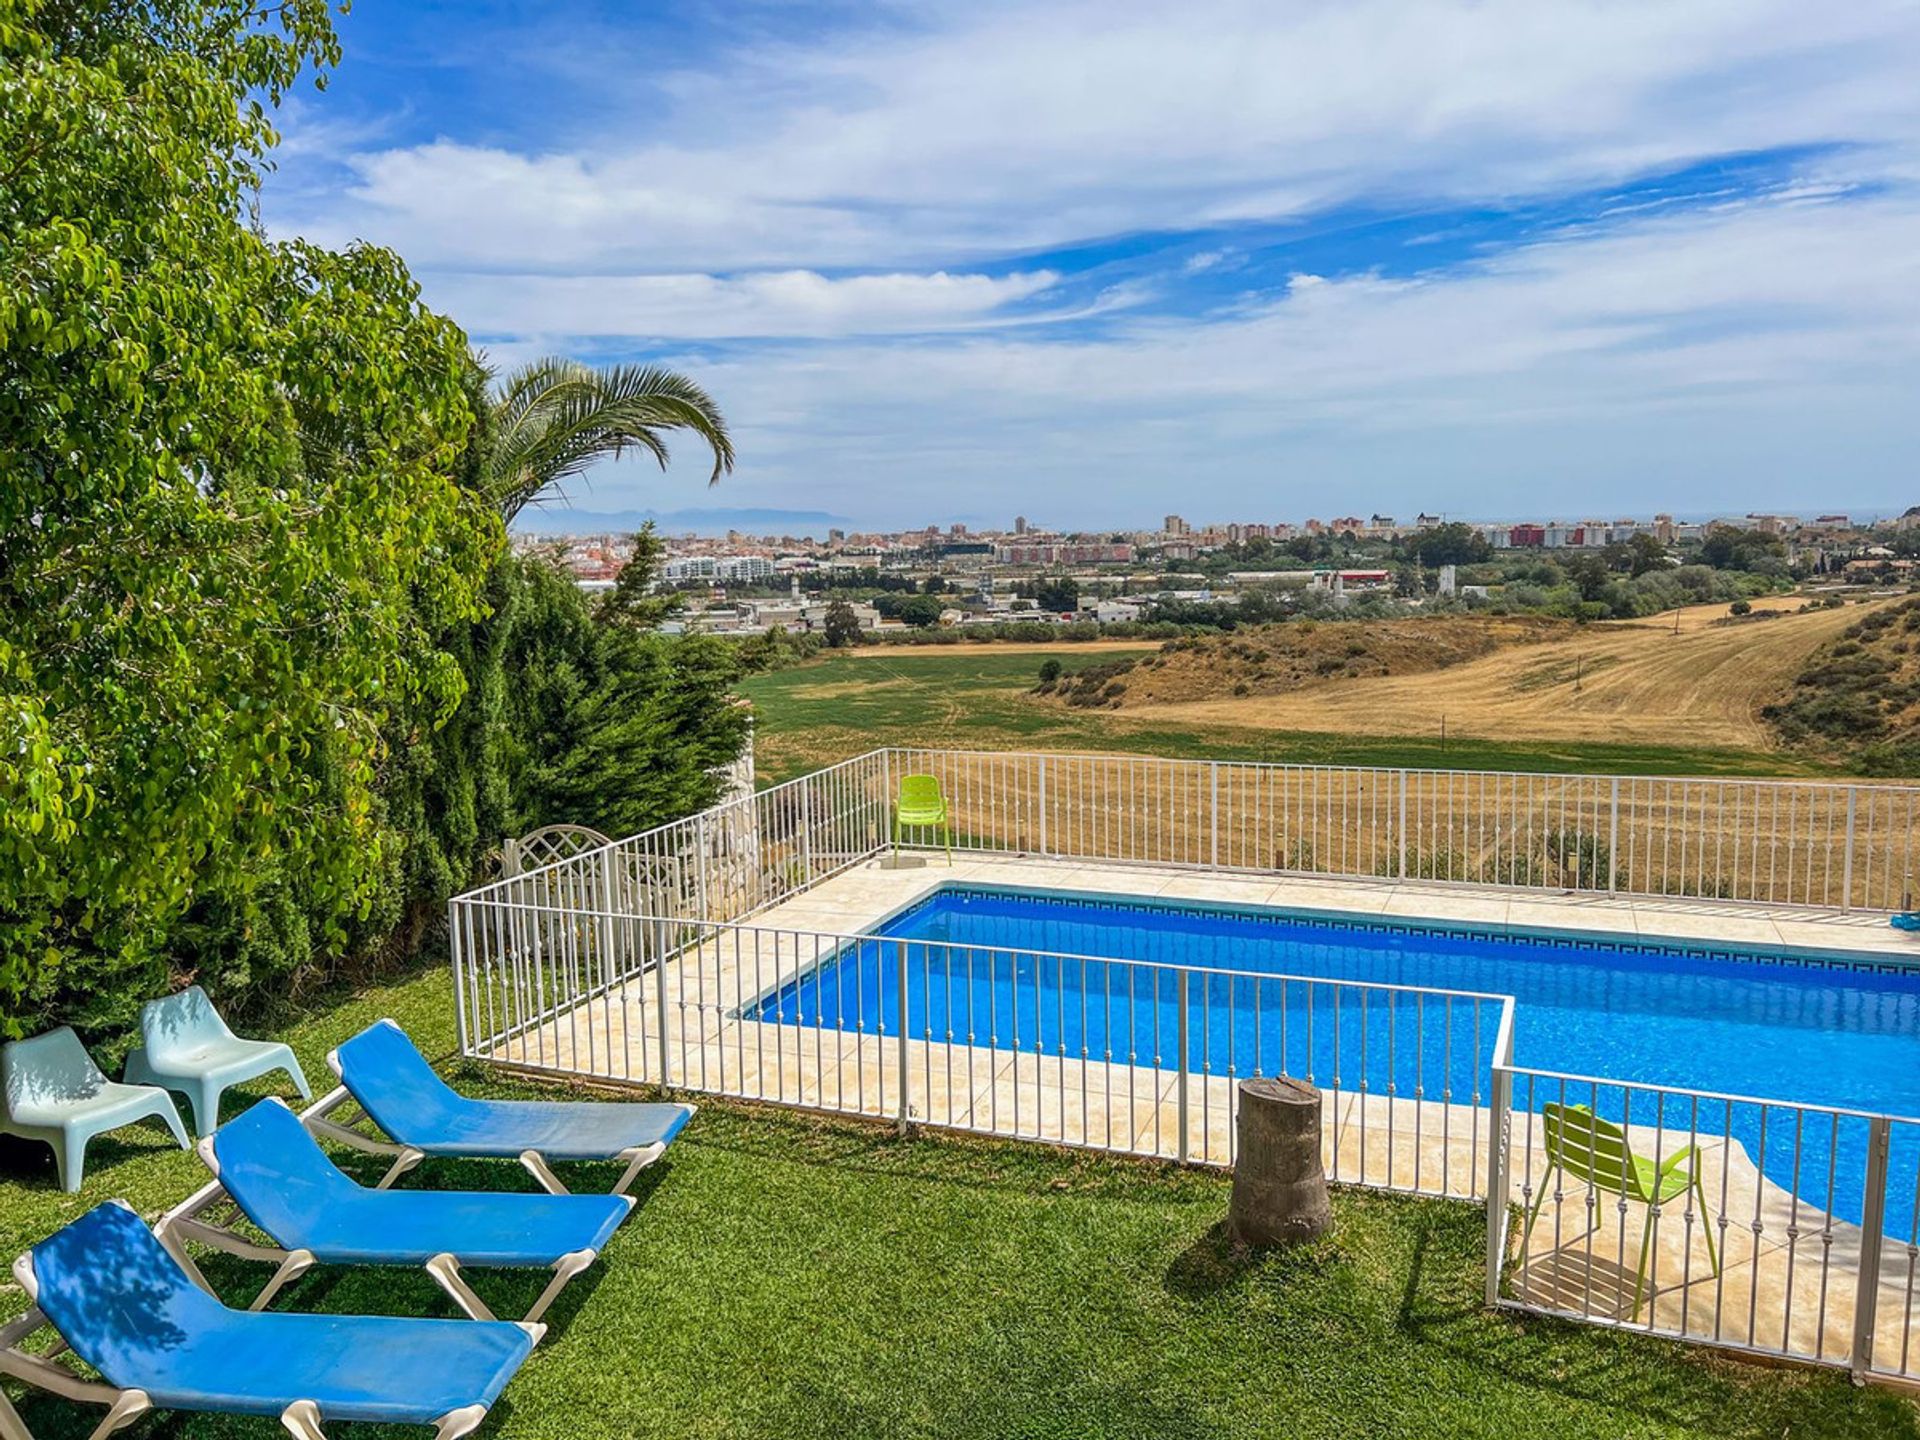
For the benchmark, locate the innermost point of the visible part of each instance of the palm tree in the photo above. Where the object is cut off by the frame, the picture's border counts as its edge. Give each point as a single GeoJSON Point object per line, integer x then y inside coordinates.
{"type": "Point", "coordinates": [554, 418]}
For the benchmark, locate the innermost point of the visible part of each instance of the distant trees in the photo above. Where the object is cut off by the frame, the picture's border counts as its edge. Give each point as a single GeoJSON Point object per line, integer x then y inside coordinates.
{"type": "Point", "coordinates": [920, 611]}
{"type": "Point", "coordinates": [842, 626]}
{"type": "Point", "coordinates": [1728, 548]}
{"type": "Point", "coordinates": [1589, 575]}
{"type": "Point", "coordinates": [1638, 554]}
{"type": "Point", "coordinates": [1058, 593]}
{"type": "Point", "coordinates": [1454, 543]}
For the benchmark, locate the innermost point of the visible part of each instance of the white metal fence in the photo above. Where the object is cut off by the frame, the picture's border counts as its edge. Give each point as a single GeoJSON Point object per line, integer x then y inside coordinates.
{"type": "Point", "coordinates": [1817, 844]}
{"type": "Point", "coordinates": [1770, 1227]}
{"type": "Point", "coordinates": [641, 962]}
{"type": "Point", "coordinates": [1122, 1055]}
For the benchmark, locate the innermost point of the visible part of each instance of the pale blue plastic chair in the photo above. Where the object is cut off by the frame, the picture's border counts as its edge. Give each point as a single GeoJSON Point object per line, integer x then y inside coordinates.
{"type": "Point", "coordinates": [51, 1091]}
{"type": "Point", "coordinates": [186, 1046]}
{"type": "Point", "coordinates": [125, 1307]}
{"type": "Point", "coordinates": [400, 1092]}
{"type": "Point", "coordinates": [316, 1214]}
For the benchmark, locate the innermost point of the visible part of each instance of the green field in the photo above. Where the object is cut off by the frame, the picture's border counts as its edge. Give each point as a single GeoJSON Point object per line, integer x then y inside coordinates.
{"type": "Point", "coordinates": [793, 1276]}
{"type": "Point", "coordinates": [974, 697]}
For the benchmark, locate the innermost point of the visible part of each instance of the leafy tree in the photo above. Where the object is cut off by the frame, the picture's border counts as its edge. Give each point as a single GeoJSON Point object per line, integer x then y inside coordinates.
{"type": "Point", "coordinates": [606, 725]}
{"type": "Point", "coordinates": [634, 599]}
{"type": "Point", "coordinates": [1454, 543]}
{"type": "Point", "coordinates": [1058, 593]}
{"type": "Point", "coordinates": [1644, 554]}
{"type": "Point", "coordinates": [1049, 671]}
{"type": "Point", "coordinates": [1589, 575]}
{"type": "Point", "coordinates": [555, 419]}
{"type": "Point", "coordinates": [1730, 548]}
{"type": "Point", "coordinates": [230, 531]}
{"type": "Point", "coordinates": [920, 611]}
{"type": "Point", "coordinates": [842, 627]}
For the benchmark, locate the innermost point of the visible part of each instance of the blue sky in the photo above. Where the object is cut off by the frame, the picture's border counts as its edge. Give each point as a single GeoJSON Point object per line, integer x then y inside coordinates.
{"type": "Point", "coordinates": [1093, 263]}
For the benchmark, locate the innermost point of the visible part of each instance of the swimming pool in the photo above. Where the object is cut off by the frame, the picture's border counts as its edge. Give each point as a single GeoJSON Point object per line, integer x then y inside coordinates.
{"type": "Point", "coordinates": [1816, 1029]}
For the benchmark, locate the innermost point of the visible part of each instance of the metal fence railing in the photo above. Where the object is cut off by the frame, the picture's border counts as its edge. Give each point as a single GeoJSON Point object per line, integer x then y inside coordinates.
{"type": "Point", "coordinates": [643, 961]}
{"type": "Point", "coordinates": [1818, 844]}
{"type": "Point", "coordinates": [1771, 1227]}
{"type": "Point", "coordinates": [1129, 1056]}
{"type": "Point", "coordinates": [735, 859]}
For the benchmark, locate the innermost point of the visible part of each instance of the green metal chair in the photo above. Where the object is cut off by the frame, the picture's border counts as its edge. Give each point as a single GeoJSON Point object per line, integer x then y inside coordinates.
{"type": "Point", "coordinates": [1582, 1145]}
{"type": "Point", "coordinates": [922, 805]}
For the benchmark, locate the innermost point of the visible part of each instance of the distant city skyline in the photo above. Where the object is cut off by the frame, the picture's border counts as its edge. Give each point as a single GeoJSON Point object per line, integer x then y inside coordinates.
{"type": "Point", "coordinates": [561, 519]}
{"type": "Point", "coordinates": [1513, 257]}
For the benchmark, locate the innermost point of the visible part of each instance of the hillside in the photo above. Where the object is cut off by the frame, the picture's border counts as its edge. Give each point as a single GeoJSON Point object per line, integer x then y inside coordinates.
{"type": "Point", "coordinates": [1858, 696]}
{"type": "Point", "coordinates": [1276, 659]}
{"type": "Point", "coordinates": [1616, 682]}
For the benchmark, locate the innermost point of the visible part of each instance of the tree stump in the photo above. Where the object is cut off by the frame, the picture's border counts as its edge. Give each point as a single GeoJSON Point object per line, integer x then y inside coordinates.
{"type": "Point", "coordinates": [1279, 1187]}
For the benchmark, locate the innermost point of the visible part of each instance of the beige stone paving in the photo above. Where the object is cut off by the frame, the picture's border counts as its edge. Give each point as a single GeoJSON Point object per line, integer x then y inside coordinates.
{"type": "Point", "coordinates": [1787, 1278]}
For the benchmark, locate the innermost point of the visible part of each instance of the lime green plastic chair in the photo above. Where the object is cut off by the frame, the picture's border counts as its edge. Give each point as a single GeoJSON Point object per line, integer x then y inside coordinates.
{"type": "Point", "coordinates": [921, 805]}
{"type": "Point", "coordinates": [1582, 1145]}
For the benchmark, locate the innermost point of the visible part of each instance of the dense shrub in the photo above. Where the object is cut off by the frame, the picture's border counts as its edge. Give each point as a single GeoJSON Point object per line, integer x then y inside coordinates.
{"type": "Point", "coordinates": [1858, 695]}
{"type": "Point", "coordinates": [270, 689]}
{"type": "Point", "coordinates": [232, 529]}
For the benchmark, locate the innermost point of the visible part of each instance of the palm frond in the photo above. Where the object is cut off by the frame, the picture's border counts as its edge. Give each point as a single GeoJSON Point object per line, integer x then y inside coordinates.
{"type": "Point", "coordinates": [555, 419]}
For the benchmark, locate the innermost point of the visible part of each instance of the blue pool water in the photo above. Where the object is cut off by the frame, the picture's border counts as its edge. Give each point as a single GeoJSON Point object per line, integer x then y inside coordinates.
{"type": "Point", "coordinates": [1811, 1029]}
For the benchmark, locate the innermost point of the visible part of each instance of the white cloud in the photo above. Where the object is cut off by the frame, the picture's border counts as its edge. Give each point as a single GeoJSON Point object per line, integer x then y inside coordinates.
{"type": "Point", "coordinates": [1761, 356]}
{"type": "Point", "coordinates": [992, 129]}
{"type": "Point", "coordinates": [792, 303]}
{"type": "Point", "coordinates": [863, 191]}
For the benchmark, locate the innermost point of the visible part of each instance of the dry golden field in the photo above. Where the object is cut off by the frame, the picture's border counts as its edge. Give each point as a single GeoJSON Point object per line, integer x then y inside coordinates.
{"type": "Point", "coordinates": [1617, 682]}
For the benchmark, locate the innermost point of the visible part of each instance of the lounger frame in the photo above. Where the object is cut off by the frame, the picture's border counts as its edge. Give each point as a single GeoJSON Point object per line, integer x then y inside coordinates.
{"type": "Point", "coordinates": [211, 1216]}
{"type": "Point", "coordinates": [405, 1157]}
{"type": "Point", "coordinates": [42, 1370]}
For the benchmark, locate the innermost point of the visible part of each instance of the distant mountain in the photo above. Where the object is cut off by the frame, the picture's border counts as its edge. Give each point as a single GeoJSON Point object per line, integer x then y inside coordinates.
{"type": "Point", "coordinates": [560, 520]}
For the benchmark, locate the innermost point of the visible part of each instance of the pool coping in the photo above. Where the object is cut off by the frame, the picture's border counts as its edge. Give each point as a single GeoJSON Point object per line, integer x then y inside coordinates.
{"type": "Point", "coordinates": [1615, 941]}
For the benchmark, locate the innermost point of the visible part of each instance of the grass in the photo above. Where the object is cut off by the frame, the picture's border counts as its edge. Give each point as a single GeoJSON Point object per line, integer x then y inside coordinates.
{"type": "Point", "coordinates": [793, 1276]}
{"type": "Point", "coordinates": [973, 698]}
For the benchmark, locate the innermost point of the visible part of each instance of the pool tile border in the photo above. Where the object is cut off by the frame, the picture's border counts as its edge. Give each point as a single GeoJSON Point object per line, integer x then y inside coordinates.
{"type": "Point", "coordinates": [1785, 956]}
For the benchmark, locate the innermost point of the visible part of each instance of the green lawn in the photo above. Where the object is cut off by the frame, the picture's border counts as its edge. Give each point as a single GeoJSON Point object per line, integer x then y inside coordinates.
{"type": "Point", "coordinates": [972, 697]}
{"type": "Point", "coordinates": [792, 1276]}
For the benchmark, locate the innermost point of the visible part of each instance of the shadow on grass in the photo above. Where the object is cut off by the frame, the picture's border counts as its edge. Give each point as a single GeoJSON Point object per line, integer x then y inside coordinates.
{"type": "Point", "coordinates": [1658, 1380]}
{"type": "Point", "coordinates": [1216, 1265]}
{"type": "Point", "coordinates": [29, 1163]}
{"type": "Point", "coordinates": [872, 1147]}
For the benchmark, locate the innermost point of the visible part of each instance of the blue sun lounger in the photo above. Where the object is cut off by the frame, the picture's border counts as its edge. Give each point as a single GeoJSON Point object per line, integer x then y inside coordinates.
{"type": "Point", "coordinates": [393, 1083]}
{"type": "Point", "coordinates": [315, 1214]}
{"type": "Point", "coordinates": [160, 1342]}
